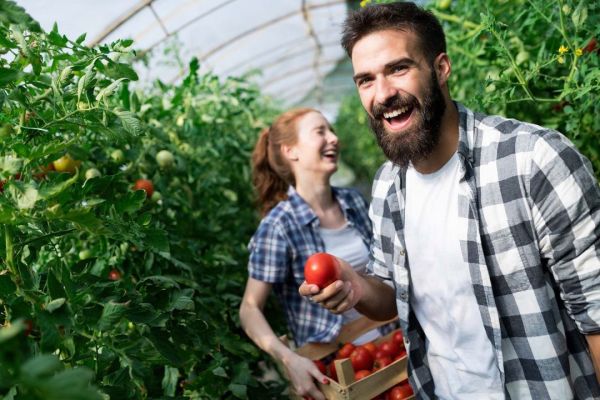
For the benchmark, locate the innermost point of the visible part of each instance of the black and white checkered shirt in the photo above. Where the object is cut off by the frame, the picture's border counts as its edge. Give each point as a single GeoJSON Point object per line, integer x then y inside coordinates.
{"type": "Point", "coordinates": [530, 210]}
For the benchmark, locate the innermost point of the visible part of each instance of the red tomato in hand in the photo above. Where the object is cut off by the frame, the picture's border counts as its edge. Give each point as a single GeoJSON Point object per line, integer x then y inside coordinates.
{"type": "Point", "coordinates": [361, 359]}
{"type": "Point", "coordinates": [345, 351]}
{"type": "Point", "coordinates": [146, 185]}
{"type": "Point", "coordinates": [321, 269]}
{"type": "Point", "coordinates": [358, 375]}
{"type": "Point", "coordinates": [321, 365]}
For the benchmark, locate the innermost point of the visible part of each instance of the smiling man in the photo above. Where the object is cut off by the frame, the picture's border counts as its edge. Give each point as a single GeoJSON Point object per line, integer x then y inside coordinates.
{"type": "Point", "coordinates": [488, 228]}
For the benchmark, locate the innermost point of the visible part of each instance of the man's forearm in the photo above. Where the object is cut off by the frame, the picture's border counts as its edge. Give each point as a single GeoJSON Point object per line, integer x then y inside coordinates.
{"type": "Point", "coordinates": [594, 346]}
{"type": "Point", "coordinates": [378, 300]}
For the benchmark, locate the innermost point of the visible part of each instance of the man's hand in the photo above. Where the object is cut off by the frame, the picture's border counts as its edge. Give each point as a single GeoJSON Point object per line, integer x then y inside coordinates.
{"type": "Point", "coordinates": [342, 295]}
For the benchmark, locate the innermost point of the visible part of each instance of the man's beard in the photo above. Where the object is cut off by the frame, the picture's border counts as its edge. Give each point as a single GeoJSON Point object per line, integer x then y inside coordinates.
{"type": "Point", "coordinates": [419, 141]}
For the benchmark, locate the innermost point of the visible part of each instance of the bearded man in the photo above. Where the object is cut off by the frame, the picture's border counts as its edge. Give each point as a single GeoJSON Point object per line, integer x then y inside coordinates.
{"type": "Point", "coordinates": [487, 227]}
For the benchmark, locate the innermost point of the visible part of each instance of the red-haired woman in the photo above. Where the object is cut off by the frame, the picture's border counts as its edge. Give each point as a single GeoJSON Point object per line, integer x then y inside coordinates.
{"type": "Point", "coordinates": [303, 214]}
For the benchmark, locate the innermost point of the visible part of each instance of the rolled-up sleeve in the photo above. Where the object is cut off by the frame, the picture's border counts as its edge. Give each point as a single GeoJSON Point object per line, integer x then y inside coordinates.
{"type": "Point", "coordinates": [566, 214]}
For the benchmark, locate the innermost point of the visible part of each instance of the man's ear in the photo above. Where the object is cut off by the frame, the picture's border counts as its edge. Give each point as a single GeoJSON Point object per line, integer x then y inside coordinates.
{"type": "Point", "coordinates": [290, 152]}
{"type": "Point", "coordinates": [443, 68]}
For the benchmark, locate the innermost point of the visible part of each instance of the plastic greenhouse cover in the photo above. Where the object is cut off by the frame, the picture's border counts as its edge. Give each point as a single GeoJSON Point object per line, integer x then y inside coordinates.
{"type": "Point", "coordinates": [293, 43]}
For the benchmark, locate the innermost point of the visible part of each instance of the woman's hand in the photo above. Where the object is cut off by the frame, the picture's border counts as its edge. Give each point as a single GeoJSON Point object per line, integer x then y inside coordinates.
{"type": "Point", "coordinates": [302, 374]}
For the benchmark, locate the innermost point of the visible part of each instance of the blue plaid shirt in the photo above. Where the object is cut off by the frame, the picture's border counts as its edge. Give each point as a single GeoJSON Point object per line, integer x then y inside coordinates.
{"type": "Point", "coordinates": [284, 240]}
{"type": "Point", "coordinates": [530, 234]}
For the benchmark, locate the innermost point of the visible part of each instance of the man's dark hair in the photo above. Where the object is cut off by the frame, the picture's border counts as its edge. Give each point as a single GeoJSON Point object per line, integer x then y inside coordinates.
{"type": "Point", "coordinates": [402, 16]}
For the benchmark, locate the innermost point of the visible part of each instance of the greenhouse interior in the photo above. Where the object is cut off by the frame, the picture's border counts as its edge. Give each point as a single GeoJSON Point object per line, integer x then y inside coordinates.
{"type": "Point", "coordinates": [220, 199]}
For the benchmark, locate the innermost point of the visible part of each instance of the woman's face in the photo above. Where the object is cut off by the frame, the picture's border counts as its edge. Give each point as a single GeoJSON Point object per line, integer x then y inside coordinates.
{"type": "Point", "coordinates": [316, 150]}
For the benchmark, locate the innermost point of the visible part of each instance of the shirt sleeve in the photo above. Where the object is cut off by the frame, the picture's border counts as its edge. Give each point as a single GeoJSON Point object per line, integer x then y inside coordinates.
{"type": "Point", "coordinates": [268, 261]}
{"type": "Point", "coordinates": [566, 214]}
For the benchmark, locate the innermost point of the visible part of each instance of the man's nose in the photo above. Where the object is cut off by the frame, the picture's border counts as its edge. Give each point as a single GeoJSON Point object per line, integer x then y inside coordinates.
{"type": "Point", "coordinates": [384, 91]}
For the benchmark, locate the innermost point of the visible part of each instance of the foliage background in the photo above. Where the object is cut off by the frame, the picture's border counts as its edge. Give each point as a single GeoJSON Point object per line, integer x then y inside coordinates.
{"type": "Point", "coordinates": [533, 60]}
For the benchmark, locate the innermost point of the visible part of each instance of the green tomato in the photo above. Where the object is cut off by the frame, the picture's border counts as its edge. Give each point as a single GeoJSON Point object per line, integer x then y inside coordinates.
{"type": "Point", "coordinates": [82, 105]}
{"type": "Point", "coordinates": [92, 173]}
{"type": "Point", "coordinates": [6, 130]}
{"type": "Point", "coordinates": [118, 156]}
{"type": "Point", "coordinates": [85, 254]}
{"type": "Point", "coordinates": [156, 197]}
{"type": "Point", "coordinates": [444, 4]}
{"type": "Point", "coordinates": [165, 159]}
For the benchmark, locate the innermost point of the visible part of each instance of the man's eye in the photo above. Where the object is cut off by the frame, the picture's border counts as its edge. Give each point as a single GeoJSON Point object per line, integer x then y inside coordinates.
{"type": "Point", "coordinates": [399, 68]}
{"type": "Point", "coordinates": [363, 81]}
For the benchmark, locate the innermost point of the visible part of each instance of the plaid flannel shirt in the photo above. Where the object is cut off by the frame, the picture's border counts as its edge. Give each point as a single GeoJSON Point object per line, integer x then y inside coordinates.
{"type": "Point", "coordinates": [530, 211]}
{"type": "Point", "coordinates": [284, 240]}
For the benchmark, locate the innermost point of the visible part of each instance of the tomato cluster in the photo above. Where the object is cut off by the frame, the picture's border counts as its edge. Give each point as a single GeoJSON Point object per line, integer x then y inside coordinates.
{"type": "Point", "coordinates": [369, 358]}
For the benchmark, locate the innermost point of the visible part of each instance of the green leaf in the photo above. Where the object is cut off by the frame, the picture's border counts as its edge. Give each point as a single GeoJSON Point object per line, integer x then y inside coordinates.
{"type": "Point", "coordinates": [85, 219]}
{"type": "Point", "coordinates": [119, 70]}
{"type": "Point", "coordinates": [580, 14]}
{"type": "Point", "coordinates": [85, 81]}
{"type": "Point", "coordinates": [55, 38]}
{"type": "Point", "coordinates": [160, 340]}
{"type": "Point", "coordinates": [40, 367]}
{"type": "Point", "coordinates": [182, 300]}
{"type": "Point", "coordinates": [107, 91]}
{"type": "Point", "coordinates": [8, 75]}
{"type": "Point", "coordinates": [71, 384]}
{"type": "Point", "coordinates": [130, 123]}
{"type": "Point", "coordinates": [55, 304]}
{"type": "Point", "coordinates": [81, 38]}
{"type": "Point", "coordinates": [9, 332]}
{"type": "Point", "coordinates": [239, 391]}
{"type": "Point", "coordinates": [47, 192]}
{"type": "Point", "coordinates": [26, 199]}
{"type": "Point", "coordinates": [157, 241]}
{"type": "Point", "coordinates": [169, 381]}
{"type": "Point", "coordinates": [130, 202]}
{"type": "Point", "coordinates": [220, 371]}
{"type": "Point", "coordinates": [111, 314]}
{"type": "Point", "coordinates": [7, 286]}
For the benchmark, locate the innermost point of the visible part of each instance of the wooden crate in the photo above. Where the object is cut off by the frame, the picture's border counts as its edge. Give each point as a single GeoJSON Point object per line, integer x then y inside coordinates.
{"type": "Point", "coordinates": [347, 388]}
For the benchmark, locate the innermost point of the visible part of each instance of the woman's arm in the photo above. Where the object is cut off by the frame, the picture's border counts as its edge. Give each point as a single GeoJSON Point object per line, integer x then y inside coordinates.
{"type": "Point", "coordinates": [301, 371]}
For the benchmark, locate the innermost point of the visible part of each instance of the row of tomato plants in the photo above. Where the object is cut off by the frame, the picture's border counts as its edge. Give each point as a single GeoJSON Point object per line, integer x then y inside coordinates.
{"type": "Point", "coordinates": [106, 290]}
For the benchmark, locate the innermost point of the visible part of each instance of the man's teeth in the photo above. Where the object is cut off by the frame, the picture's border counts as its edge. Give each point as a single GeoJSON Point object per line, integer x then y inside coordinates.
{"type": "Point", "coordinates": [395, 113]}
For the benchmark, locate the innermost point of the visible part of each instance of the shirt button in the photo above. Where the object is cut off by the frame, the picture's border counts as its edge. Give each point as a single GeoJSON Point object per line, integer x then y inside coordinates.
{"type": "Point", "coordinates": [402, 252]}
{"type": "Point", "coordinates": [403, 295]}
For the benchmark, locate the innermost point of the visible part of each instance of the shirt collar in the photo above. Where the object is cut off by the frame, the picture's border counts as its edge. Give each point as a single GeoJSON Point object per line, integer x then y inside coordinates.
{"type": "Point", "coordinates": [305, 214]}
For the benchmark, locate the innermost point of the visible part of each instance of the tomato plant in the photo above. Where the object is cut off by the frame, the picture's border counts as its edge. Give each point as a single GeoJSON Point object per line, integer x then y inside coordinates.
{"type": "Point", "coordinates": [321, 269]}
{"type": "Point", "coordinates": [172, 316]}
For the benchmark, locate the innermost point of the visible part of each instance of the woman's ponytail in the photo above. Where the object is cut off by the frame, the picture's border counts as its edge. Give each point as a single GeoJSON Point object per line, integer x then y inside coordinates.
{"type": "Point", "coordinates": [271, 172]}
{"type": "Point", "coordinates": [270, 188]}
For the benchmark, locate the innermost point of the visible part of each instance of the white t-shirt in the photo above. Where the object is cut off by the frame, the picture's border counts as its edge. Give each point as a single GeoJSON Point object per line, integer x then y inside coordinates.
{"type": "Point", "coordinates": [460, 355]}
{"type": "Point", "coordinates": [346, 243]}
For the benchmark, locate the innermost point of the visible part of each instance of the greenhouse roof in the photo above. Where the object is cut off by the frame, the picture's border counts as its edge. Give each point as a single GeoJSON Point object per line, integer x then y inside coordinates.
{"type": "Point", "coordinates": [294, 44]}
